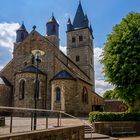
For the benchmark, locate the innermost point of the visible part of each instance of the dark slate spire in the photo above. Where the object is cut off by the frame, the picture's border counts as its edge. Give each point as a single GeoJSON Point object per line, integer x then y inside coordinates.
{"type": "Point", "coordinates": [69, 25]}
{"type": "Point", "coordinates": [52, 26]}
{"type": "Point", "coordinates": [21, 33]}
{"type": "Point", "coordinates": [52, 19]}
{"type": "Point", "coordinates": [79, 17]}
{"type": "Point", "coordinates": [85, 21]}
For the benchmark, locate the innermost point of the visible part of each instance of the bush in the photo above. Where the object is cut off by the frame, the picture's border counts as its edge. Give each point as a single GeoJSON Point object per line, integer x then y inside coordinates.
{"type": "Point", "coordinates": [111, 116]}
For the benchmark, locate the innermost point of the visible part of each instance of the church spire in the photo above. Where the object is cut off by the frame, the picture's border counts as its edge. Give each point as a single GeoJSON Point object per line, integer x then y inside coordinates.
{"type": "Point", "coordinates": [52, 27]}
{"type": "Point", "coordinates": [21, 33]}
{"type": "Point", "coordinates": [80, 19]}
{"type": "Point", "coordinates": [69, 25]}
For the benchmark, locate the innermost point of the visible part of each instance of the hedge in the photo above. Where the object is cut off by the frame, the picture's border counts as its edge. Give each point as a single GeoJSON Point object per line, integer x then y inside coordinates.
{"type": "Point", "coordinates": [111, 116]}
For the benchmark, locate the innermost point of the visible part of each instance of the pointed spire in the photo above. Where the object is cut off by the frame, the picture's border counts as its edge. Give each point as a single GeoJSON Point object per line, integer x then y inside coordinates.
{"type": "Point", "coordinates": [52, 26]}
{"type": "Point", "coordinates": [22, 27]}
{"type": "Point", "coordinates": [69, 25]}
{"type": "Point", "coordinates": [91, 28]}
{"type": "Point", "coordinates": [79, 17]}
{"type": "Point", "coordinates": [69, 21]}
{"type": "Point", "coordinates": [21, 33]}
{"type": "Point", "coordinates": [52, 19]}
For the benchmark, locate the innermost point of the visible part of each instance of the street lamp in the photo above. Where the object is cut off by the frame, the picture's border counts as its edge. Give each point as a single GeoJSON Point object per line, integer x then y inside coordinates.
{"type": "Point", "coordinates": [37, 54]}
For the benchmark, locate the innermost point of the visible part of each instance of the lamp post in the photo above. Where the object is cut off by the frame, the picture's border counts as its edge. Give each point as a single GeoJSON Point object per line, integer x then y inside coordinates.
{"type": "Point", "coordinates": [37, 54]}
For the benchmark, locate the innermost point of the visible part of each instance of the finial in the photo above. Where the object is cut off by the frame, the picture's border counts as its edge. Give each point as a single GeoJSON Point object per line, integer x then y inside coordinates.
{"type": "Point", "coordinates": [79, 1]}
{"type": "Point", "coordinates": [34, 27]}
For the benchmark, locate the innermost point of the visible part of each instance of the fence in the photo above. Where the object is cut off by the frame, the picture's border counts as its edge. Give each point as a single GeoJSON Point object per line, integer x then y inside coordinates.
{"type": "Point", "coordinates": [28, 119]}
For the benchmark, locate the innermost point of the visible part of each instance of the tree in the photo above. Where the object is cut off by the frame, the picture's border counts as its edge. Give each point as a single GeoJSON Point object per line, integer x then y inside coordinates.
{"type": "Point", "coordinates": [121, 58]}
{"type": "Point", "coordinates": [111, 94]}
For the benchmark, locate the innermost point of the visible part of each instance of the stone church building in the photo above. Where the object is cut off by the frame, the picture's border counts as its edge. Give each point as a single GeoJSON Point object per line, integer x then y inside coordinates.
{"type": "Point", "coordinates": [66, 82]}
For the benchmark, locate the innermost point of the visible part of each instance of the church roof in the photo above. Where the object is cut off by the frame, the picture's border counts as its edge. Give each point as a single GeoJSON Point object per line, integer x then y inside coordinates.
{"type": "Point", "coordinates": [22, 28]}
{"type": "Point", "coordinates": [63, 75]}
{"type": "Point", "coordinates": [4, 81]}
{"type": "Point", "coordinates": [52, 19]}
{"type": "Point", "coordinates": [79, 17]}
{"type": "Point", "coordinates": [32, 69]}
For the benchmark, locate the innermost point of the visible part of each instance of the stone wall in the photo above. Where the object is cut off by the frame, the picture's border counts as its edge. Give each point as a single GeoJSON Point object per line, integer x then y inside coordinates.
{"type": "Point", "coordinates": [64, 133]}
{"type": "Point", "coordinates": [105, 127]}
{"type": "Point", "coordinates": [28, 101]}
{"type": "Point", "coordinates": [115, 106]}
{"type": "Point", "coordinates": [5, 95]}
{"type": "Point", "coordinates": [68, 93]}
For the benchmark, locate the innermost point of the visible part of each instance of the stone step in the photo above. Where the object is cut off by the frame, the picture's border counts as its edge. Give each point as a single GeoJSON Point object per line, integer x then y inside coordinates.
{"type": "Point", "coordinates": [96, 136]}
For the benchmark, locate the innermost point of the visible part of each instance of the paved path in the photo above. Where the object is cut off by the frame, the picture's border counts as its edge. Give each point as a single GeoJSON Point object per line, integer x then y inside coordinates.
{"type": "Point", "coordinates": [130, 138]}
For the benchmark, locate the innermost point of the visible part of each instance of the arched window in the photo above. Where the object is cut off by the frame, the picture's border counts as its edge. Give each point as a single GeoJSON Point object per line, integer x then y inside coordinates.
{"type": "Point", "coordinates": [58, 94]}
{"type": "Point", "coordinates": [21, 89]}
{"type": "Point", "coordinates": [85, 95]}
{"type": "Point", "coordinates": [77, 58]}
{"type": "Point", "coordinates": [80, 38]}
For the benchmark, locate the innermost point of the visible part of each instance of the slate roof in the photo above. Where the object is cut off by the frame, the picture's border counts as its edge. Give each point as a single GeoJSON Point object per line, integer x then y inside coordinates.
{"type": "Point", "coordinates": [4, 81]}
{"type": "Point", "coordinates": [79, 18]}
{"type": "Point", "coordinates": [63, 75]}
{"type": "Point", "coordinates": [22, 28]}
{"type": "Point", "coordinates": [52, 19]}
{"type": "Point", "coordinates": [32, 69]}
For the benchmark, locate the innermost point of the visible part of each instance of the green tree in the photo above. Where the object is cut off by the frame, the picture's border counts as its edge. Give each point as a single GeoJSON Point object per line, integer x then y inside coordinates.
{"type": "Point", "coordinates": [121, 58]}
{"type": "Point", "coordinates": [111, 94]}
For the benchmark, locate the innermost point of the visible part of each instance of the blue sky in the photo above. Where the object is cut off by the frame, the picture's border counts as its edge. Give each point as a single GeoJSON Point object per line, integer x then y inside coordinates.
{"type": "Point", "coordinates": [103, 15]}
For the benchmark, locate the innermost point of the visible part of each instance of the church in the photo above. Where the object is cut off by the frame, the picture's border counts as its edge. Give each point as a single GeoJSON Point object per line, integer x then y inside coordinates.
{"type": "Point", "coordinates": [65, 82]}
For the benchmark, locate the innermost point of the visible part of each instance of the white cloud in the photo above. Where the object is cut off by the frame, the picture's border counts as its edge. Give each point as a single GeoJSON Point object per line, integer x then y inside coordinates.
{"type": "Point", "coordinates": [100, 85]}
{"type": "Point", "coordinates": [63, 49]}
{"type": "Point", "coordinates": [7, 37]}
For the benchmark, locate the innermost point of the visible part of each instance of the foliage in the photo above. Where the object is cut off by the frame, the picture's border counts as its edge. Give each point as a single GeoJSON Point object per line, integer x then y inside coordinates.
{"type": "Point", "coordinates": [111, 116]}
{"type": "Point", "coordinates": [121, 58]}
{"type": "Point", "coordinates": [111, 94]}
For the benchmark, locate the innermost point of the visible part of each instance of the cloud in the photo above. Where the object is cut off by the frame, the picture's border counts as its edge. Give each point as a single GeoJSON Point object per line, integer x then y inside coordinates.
{"type": "Point", "coordinates": [63, 49]}
{"type": "Point", "coordinates": [100, 84]}
{"type": "Point", "coordinates": [7, 37]}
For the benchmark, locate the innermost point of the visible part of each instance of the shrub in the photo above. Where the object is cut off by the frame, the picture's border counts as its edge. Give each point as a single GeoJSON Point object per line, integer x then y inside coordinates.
{"type": "Point", "coordinates": [111, 116]}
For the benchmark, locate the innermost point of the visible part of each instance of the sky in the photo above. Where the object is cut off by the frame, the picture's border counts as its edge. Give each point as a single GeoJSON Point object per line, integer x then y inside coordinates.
{"type": "Point", "coordinates": [102, 14]}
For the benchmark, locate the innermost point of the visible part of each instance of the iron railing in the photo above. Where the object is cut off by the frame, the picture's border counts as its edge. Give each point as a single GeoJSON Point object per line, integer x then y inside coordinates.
{"type": "Point", "coordinates": [21, 119]}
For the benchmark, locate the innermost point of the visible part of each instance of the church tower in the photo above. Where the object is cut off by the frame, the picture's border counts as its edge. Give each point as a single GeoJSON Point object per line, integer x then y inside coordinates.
{"type": "Point", "coordinates": [52, 30]}
{"type": "Point", "coordinates": [80, 42]}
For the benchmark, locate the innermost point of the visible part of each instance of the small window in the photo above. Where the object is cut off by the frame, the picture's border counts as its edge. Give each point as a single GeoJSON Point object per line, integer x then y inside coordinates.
{"type": "Point", "coordinates": [80, 38]}
{"type": "Point", "coordinates": [73, 39]}
{"type": "Point", "coordinates": [58, 94]}
{"type": "Point", "coordinates": [21, 89]}
{"type": "Point", "coordinates": [77, 58]}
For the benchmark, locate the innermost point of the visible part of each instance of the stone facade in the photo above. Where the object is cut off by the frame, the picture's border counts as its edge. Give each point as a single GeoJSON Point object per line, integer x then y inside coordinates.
{"type": "Point", "coordinates": [60, 76]}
